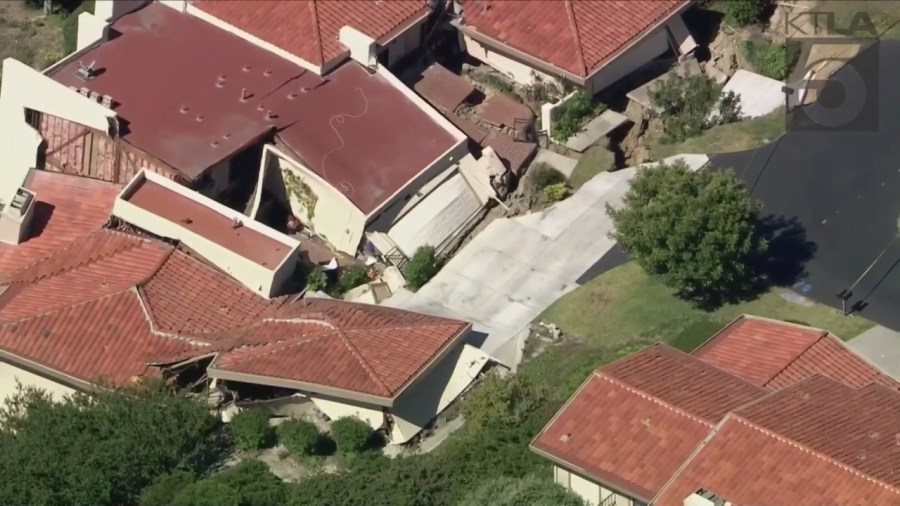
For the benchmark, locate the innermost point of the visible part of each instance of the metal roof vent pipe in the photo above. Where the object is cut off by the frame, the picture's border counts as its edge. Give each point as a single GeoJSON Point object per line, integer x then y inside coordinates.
{"type": "Point", "coordinates": [16, 217]}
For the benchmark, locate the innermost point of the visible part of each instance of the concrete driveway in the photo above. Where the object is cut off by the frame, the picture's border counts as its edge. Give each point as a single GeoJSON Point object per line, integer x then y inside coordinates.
{"type": "Point", "coordinates": [514, 269]}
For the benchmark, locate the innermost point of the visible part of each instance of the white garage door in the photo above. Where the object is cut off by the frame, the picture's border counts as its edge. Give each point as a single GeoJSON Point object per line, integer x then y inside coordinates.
{"type": "Point", "coordinates": [437, 217]}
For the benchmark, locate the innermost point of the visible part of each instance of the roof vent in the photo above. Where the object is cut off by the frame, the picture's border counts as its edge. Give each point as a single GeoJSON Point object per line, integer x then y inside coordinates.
{"type": "Point", "coordinates": [646, 421]}
{"type": "Point", "coordinates": [86, 73]}
{"type": "Point", "coordinates": [16, 217]}
{"type": "Point", "coordinates": [565, 438]}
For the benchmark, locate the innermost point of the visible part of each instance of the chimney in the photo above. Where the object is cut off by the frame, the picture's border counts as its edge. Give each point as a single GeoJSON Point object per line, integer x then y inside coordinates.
{"type": "Point", "coordinates": [360, 45]}
{"type": "Point", "coordinates": [16, 217]}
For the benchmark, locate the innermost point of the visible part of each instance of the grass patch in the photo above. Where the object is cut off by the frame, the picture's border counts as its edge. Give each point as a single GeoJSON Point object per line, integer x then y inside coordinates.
{"type": "Point", "coordinates": [771, 60]}
{"type": "Point", "coordinates": [595, 160]}
{"type": "Point", "coordinates": [626, 305]}
{"type": "Point", "coordinates": [729, 138]}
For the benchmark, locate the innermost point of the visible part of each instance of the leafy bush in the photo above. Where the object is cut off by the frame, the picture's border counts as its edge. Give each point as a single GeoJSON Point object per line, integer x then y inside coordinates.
{"type": "Point", "coordinates": [506, 401]}
{"type": "Point", "coordinates": [251, 430]}
{"type": "Point", "coordinates": [542, 175]}
{"type": "Point", "coordinates": [70, 26]}
{"type": "Point", "coordinates": [300, 437]}
{"type": "Point", "coordinates": [772, 60]}
{"type": "Point", "coordinates": [352, 276]}
{"type": "Point", "coordinates": [352, 435]}
{"type": "Point", "coordinates": [556, 192]}
{"type": "Point", "coordinates": [698, 231]}
{"type": "Point", "coordinates": [316, 280]}
{"type": "Point", "coordinates": [529, 490]}
{"type": "Point", "coordinates": [423, 265]}
{"type": "Point", "coordinates": [692, 105]}
{"type": "Point", "coordinates": [577, 111]}
{"type": "Point", "coordinates": [207, 493]}
{"type": "Point", "coordinates": [101, 449]}
{"type": "Point", "coordinates": [164, 489]}
{"type": "Point", "coordinates": [254, 484]}
{"type": "Point", "coordinates": [744, 12]}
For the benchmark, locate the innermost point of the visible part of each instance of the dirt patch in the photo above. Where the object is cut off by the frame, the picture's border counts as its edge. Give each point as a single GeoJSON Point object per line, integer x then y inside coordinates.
{"type": "Point", "coordinates": [29, 36]}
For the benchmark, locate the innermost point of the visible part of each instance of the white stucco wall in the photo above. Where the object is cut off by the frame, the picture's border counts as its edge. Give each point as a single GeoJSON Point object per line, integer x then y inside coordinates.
{"type": "Point", "coordinates": [25, 88]}
{"type": "Point", "coordinates": [404, 44]}
{"type": "Point", "coordinates": [518, 72]}
{"type": "Point", "coordinates": [592, 493]}
{"type": "Point", "coordinates": [10, 374]}
{"type": "Point", "coordinates": [633, 58]}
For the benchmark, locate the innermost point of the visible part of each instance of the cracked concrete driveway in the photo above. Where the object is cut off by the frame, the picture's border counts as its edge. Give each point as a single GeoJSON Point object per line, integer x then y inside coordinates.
{"type": "Point", "coordinates": [514, 269]}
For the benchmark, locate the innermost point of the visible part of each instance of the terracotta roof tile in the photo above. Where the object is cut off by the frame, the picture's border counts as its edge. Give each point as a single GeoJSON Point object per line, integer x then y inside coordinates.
{"type": "Point", "coordinates": [516, 154]}
{"type": "Point", "coordinates": [443, 89]}
{"type": "Point", "coordinates": [757, 349]}
{"type": "Point", "coordinates": [66, 208]}
{"type": "Point", "coordinates": [310, 29]}
{"type": "Point", "coordinates": [684, 381]}
{"type": "Point", "coordinates": [858, 428]}
{"type": "Point", "coordinates": [106, 338]}
{"type": "Point", "coordinates": [777, 354]}
{"type": "Point", "coordinates": [502, 111]}
{"type": "Point", "coordinates": [747, 465]}
{"type": "Point", "coordinates": [576, 36]}
{"type": "Point", "coordinates": [621, 436]}
{"type": "Point", "coordinates": [368, 349]}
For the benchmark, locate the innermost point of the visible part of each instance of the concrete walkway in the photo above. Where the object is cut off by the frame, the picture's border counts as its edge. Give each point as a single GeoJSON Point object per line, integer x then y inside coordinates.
{"type": "Point", "coordinates": [514, 269]}
{"type": "Point", "coordinates": [881, 346]}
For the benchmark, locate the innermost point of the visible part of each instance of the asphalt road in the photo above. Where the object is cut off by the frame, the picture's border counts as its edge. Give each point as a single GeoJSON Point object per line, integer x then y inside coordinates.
{"type": "Point", "coordinates": [842, 185]}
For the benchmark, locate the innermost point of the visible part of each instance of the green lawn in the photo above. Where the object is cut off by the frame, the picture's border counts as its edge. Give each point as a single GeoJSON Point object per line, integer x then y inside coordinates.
{"type": "Point", "coordinates": [625, 304]}
{"type": "Point", "coordinates": [595, 160]}
{"type": "Point", "coordinates": [738, 136]}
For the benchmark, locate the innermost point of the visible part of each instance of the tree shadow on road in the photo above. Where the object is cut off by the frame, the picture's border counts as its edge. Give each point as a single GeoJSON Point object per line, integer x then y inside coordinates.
{"type": "Point", "coordinates": [784, 262]}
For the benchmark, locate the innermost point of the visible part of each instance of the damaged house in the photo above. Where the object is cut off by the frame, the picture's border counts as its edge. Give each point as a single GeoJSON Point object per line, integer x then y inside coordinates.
{"type": "Point", "coordinates": [101, 283]}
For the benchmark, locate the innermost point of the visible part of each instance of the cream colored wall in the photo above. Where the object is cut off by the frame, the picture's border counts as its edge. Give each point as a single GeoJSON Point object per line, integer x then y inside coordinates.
{"type": "Point", "coordinates": [10, 374]}
{"type": "Point", "coordinates": [24, 87]}
{"type": "Point", "coordinates": [518, 72]}
{"type": "Point", "coordinates": [256, 277]}
{"type": "Point", "coordinates": [632, 59]}
{"type": "Point", "coordinates": [334, 217]}
{"type": "Point", "coordinates": [405, 43]}
{"type": "Point", "coordinates": [592, 493]}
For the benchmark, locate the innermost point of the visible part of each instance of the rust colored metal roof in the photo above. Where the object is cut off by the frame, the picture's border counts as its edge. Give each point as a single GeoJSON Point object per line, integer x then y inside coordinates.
{"type": "Point", "coordinates": [856, 427]}
{"type": "Point", "coordinates": [163, 70]}
{"type": "Point", "coordinates": [310, 29]}
{"type": "Point", "coordinates": [364, 136]}
{"type": "Point", "coordinates": [502, 111]}
{"type": "Point", "coordinates": [745, 464]}
{"type": "Point", "coordinates": [367, 349]}
{"type": "Point", "coordinates": [777, 354]}
{"type": "Point", "coordinates": [576, 36]}
{"type": "Point", "coordinates": [187, 213]}
{"type": "Point", "coordinates": [470, 128]}
{"type": "Point", "coordinates": [635, 421]}
{"type": "Point", "coordinates": [442, 88]}
{"type": "Point", "coordinates": [66, 208]}
{"type": "Point", "coordinates": [515, 153]}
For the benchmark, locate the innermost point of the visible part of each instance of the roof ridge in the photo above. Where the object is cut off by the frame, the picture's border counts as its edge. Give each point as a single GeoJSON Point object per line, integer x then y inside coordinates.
{"type": "Point", "coordinates": [361, 360]}
{"type": "Point", "coordinates": [865, 360]}
{"type": "Point", "coordinates": [796, 358]}
{"type": "Point", "coordinates": [822, 456]}
{"type": "Point", "coordinates": [653, 398]}
{"type": "Point", "coordinates": [579, 51]}
{"type": "Point", "coordinates": [317, 28]}
{"type": "Point", "coordinates": [696, 451]}
{"type": "Point", "coordinates": [63, 308]}
{"type": "Point", "coordinates": [149, 317]}
{"type": "Point", "coordinates": [286, 344]}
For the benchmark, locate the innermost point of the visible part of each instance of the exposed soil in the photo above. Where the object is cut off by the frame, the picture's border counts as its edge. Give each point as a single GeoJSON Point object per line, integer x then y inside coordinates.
{"type": "Point", "coordinates": [28, 36]}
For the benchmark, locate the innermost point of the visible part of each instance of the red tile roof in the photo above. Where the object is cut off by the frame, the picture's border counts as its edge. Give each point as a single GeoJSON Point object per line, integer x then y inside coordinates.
{"type": "Point", "coordinates": [635, 421]}
{"type": "Point", "coordinates": [110, 304]}
{"type": "Point", "coordinates": [748, 465]}
{"type": "Point", "coordinates": [578, 37]}
{"type": "Point", "coordinates": [310, 29]}
{"type": "Point", "coordinates": [776, 354]}
{"type": "Point", "coordinates": [856, 427]}
{"type": "Point", "coordinates": [66, 208]}
{"type": "Point", "coordinates": [502, 111]}
{"type": "Point", "coordinates": [442, 88]}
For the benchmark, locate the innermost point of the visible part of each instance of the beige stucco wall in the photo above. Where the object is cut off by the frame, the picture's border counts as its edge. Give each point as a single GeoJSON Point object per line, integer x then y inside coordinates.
{"type": "Point", "coordinates": [333, 216]}
{"type": "Point", "coordinates": [10, 374]}
{"type": "Point", "coordinates": [404, 44]}
{"type": "Point", "coordinates": [261, 279]}
{"type": "Point", "coordinates": [517, 71]}
{"type": "Point", "coordinates": [632, 59]}
{"type": "Point", "coordinates": [25, 88]}
{"type": "Point", "coordinates": [592, 493]}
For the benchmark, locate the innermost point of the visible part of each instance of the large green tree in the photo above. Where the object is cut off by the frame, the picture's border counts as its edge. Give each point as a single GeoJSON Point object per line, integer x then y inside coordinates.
{"type": "Point", "coordinates": [699, 231]}
{"type": "Point", "coordinates": [100, 449]}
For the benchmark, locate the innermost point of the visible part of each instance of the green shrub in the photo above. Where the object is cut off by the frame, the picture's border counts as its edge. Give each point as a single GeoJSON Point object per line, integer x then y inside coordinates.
{"type": "Point", "coordinates": [687, 104]}
{"type": "Point", "coordinates": [207, 493]}
{"type": "Point", "coordinates": [164, 489]}
{"type": "Point", "coordinates": [352, 435]}
{"type": "Point", "coordinates": [555, 192]}
{"type": "Point", "coordinates": [502, 401]}
{"type": "Point", "coordinates": [254, 484]}
{"type": "Point", "coordinates": [423, 265]}
{"type": "Point", "coordinates": [70, 26]}
{"type": "Point", "coordinates": [352, 276]}
{"type": "Point", "coordinates": [744, 12]}
{"type": "Point", "coordinates": [772, 60]}
{"type": "Point", "coordinates": [577, 111]}
{"type": "Point", "coordinates": [300, 437]}
{"type": "Point", "coordinates": [316, 280]}
{"type": "Point", "coordinates": [542, 175]}
{"type": "Point", "coordinates": [251, 430]}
